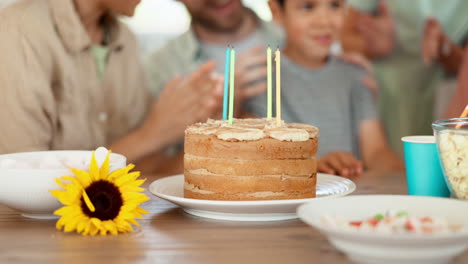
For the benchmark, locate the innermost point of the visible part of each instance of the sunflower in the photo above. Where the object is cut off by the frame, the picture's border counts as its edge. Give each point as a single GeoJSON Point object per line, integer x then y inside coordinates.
{"type": "Point", "coordinates": [99, 202]}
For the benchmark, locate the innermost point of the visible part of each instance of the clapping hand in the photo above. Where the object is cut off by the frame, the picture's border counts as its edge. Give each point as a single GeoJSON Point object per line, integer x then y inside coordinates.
{"type": "Point", "coordinates": [378, 31]}
{"type": "Point", "coordinates": [250, 76]}
{"type": "Point", "coordinates": [433, 39]}
{"type": "Point", "coordinates": [184, 101]}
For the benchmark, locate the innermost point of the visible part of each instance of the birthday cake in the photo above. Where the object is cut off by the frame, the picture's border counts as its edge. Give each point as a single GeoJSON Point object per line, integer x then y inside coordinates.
{"type": "Point", "coordinates": [252, 159]}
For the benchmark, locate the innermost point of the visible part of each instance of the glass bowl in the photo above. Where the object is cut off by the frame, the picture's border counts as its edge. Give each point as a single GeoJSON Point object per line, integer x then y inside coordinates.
{"type": "Point", "coordinates": [452, 144]}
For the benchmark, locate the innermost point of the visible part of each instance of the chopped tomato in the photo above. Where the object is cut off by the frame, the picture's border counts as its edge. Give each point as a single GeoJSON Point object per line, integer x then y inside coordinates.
{"type": "Point", "coordinates": [409, 225]}
{"type": "Point", "coordinates": [427, 229]}
{"type": "Point", "coordinates": [426, 219]}
{"type": "Point", "coordinates": [372, 221]}
{"type": "Point", "coordinates": [355, 223]}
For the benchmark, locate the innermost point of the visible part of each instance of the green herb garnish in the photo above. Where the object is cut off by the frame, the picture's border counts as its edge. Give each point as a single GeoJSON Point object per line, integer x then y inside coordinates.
{"type": "Point", "coordinates": [379, 217]}
{"type": "Point", "coordinates": [402, 213]}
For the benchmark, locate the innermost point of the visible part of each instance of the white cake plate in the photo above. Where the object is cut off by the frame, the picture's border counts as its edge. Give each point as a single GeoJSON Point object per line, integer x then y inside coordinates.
{"type": "Point", "coordinates": [172, 189]}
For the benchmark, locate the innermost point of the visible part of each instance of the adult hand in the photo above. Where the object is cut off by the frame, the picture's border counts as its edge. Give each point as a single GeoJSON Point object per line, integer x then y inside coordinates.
{"type": "Point", "coordinates": [432, 41]}
{"type": "Point", "coordinates": [185, 101]}
{"type": "Point", "coordinates": [340, 163]}
{"type": "Point", "coordinates": [436, 46]}
{"type": "Point", "coordinates": [378, 31]}
{"type": "Point", "coordinates": [359, 60]}
{"type": "Point", "coordinates": [250, 76]}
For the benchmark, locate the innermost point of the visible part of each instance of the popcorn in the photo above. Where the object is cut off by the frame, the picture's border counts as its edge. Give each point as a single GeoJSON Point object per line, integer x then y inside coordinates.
{"type": "Point", "coordinates": [453, 148]}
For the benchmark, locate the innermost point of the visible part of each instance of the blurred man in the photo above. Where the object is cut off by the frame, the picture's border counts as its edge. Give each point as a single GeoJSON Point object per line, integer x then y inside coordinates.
{"type": "Point", "coordinates": [215, 25]}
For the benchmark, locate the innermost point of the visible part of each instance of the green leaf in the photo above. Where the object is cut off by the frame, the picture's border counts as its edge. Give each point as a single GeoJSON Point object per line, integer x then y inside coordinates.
{"type": "Point", "coordinates": [402, 213]}
{"type": "Point", "coordinates": [379, 217]}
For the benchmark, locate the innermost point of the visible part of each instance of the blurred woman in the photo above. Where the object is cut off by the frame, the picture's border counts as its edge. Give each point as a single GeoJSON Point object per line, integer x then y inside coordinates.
{"type": "Point", "coordinates": [399, 37]}
{"type": "Point", "coordinates": [70, 79]}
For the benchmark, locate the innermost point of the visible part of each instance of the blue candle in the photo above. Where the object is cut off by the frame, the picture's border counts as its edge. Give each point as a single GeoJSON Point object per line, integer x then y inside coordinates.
{"type": "Point", "coordinates": [232, 70]}
{"type": "Point", "coordinates": [226, 84]}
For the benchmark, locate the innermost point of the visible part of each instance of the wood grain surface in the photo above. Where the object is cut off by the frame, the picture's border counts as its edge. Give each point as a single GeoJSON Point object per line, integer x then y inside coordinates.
{"type": "Point", "coordinates": [168, 235]}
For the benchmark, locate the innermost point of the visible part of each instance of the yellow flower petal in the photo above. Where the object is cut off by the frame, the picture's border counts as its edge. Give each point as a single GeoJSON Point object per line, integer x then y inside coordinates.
{"type": "Point", "coordinates": [96, 222]}
{"type": "Point", "coordinates": [83, 177]}
{"type": "Point", "coordinates": [74, 180]}
{"type": "Point", "coordinates": [111, 227]}
{"type": "Point", "coordinates": [92, 229]}
{"type": "Point", "coordinates": [88, 202]}
{"type": "Point", "coordinates": [105, 167]}
{"type": "Point", "coordinates": [133, 184]}
{"type": "Point", "coordinates": [94, 168]}
{"type": "Point", "coordinates": [59, 224]}
{"type": "Point", "coordinates": [68, 210]}
{"type": "Point", "coordinates": [59, 183]}
{"type": "Point", "coordinates": [128, 188]}
{"type": "Point", "coordinates": [64, 197]}
{"type": "Point", "coordinates": [124, 179]}
{"type": "Point", "coordinates": [142, 211]}
{"type": "Point", "coordinates": [56, 193]}
{"type": "Point", "coordinates": [83, 223]}
{"type": "Point", "coordinates": [117, 173]}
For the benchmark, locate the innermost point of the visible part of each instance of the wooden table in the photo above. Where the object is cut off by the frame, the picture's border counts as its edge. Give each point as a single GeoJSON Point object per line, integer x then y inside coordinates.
{"type": "Point", "coordinates": [169, 235]}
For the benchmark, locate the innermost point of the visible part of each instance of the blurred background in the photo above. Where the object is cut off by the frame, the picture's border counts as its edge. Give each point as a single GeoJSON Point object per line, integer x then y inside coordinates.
{"type": "Point", "coordinates": [152, 18]}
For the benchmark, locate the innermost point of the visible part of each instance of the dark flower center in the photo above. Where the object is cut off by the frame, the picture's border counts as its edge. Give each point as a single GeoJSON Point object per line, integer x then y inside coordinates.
{"type": "Point", "coordinates": [105, 197]}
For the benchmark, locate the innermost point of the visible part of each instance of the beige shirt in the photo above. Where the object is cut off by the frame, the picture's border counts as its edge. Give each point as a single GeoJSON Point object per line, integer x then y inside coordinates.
{"type": "Point", "coordinates": [51, 95]}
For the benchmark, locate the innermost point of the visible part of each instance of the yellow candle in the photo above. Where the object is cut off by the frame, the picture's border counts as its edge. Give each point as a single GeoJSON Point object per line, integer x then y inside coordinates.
{"type": "Point", "coordinates": [269, 94]}
{"type": "Point", "coordinates": [231, 85]}
{"type": "Point", "coordinates": [278, 87]}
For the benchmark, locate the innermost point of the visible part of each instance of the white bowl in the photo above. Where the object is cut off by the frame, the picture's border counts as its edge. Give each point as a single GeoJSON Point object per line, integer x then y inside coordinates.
{"type": "Point", "coordinates": [367, 247]}
{"type": "Point", "coordinates": [27, 190]}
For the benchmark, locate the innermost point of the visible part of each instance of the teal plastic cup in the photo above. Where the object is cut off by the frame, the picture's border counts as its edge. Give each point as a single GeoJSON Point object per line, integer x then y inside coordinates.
{"type": "Point", "coordinates": [424, 174]}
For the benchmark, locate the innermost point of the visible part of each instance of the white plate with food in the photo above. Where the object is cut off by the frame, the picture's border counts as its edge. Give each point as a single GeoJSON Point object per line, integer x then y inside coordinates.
{"type": "Point", "coordinates": [391, 228]}
{"type": "Point", "coordinates": [172, 189]}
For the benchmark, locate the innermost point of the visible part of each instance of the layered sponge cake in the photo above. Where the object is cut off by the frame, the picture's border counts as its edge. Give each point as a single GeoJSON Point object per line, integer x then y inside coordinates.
{"type": "Point", "coordinates": [253, 159]}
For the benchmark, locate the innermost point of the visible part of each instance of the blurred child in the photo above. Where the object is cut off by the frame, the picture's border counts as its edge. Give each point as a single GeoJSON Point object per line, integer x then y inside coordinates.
{"type": "Point", "coordinates": [326, 92]}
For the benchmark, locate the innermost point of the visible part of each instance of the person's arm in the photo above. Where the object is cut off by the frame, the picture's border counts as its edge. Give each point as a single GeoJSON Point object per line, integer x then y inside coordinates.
{"type": "Point", "coordinates": [460, 98]}
{"type": "Point", "coordinates": [375, 151]}
{"type": "Point", "coordinates": [27, 102]}
{"type": "Point", "coordinates": [182, 102]}
{"type": "Point", "coordinates": [368, 80]}
{"type": "Point", "coordinates": [141, 142]}
{"type": "Point", "coordinates": [451, 57]}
